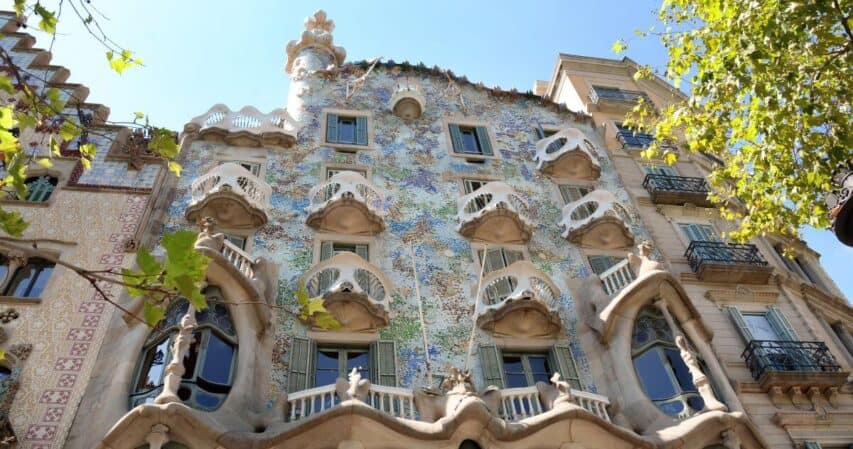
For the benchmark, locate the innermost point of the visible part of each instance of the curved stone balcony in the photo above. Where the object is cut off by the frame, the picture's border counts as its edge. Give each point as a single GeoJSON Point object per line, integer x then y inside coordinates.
{"type": "Point", "coordinates": [594, 221]}
{"type": "Point", "coordinates": [520, 301]}
{"type": "Point", "coordinates": [232, 195]}
{"type": "Point", "coordinates": [567, 154]}
{"type": "Point", "coordinates": [347, 203]}
{"type": "Point", "coordinates": [246, 127]}
{"type": "Point", "coordinates": [494, 213]}
{"type": "Point", "coordinates": [355, 292]}
{"type": "Point", "coordinates": [408, 100]}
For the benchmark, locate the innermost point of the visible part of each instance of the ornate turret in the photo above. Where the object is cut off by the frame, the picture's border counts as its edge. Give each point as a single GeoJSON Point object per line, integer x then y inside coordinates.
{"type": "Point", "coordinates": [314, 50]}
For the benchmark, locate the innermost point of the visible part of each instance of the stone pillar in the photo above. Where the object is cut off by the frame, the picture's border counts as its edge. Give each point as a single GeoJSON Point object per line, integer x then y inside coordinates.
{"type": "Point", "coordinates": [158, 436]}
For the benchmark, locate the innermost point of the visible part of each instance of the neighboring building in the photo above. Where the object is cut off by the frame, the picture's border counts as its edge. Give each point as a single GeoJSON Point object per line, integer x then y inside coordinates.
{"type": "Point", "coordinates": [387, 189]}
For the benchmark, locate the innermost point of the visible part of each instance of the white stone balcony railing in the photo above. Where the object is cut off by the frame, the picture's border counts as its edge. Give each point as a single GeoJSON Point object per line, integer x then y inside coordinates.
{"type": "Point", "coordinates": [242, 261]}
{"type": "Point", "coordinates": [494, 213]}
{"type": "Point", "coordinates": [520, 403]}
{"type": "Point", "coordinates": [567, 154]}
{"type": "Point", "coordinates": [595, 221]}
{"type": "Point", "coordinates": [248, 126]}
{"type": "Point", "coordinates": [347, 203]}
{"type": "Point", "coordinates": [617, 277]}
{"type": "Point", "coordinates": [302, 404]}
{"type": "Point", "coordinates": [519, 300]}
{"type": "Point", "coordinates": [347, 279]}
{"type": "Point", "coordinates": [217, 192]}
{"type": "Point", "coordinates": [593, 403]}
{"type": "Point", "coordinates": [408, 100]}
{"type": "Point", "coordinates": [394, 401]}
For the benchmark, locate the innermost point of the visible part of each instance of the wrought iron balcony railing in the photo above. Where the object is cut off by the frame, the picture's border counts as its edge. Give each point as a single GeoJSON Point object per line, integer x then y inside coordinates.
{"type": "Point", "coordinates": [634, 139]}
{"type": "Point", "coordinates": [763, 356]}
{"type": "Point", "coordinates": [702, 252]}
{"type": "Point", "coordinates": [598, 94]}
{"type": "Point", "coordinates": [668, 189]}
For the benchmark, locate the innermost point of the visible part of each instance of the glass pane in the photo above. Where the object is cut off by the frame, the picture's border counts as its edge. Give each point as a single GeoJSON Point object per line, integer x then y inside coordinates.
{"type": "Point", "coordinates": [516, 380]}
{"type": "Point", "coordinates": [469, 140]}
{"type": "Point", "coordinates": [29, 280]}
{"type": "Point", "coordinates": [327, 367]}
{"type": "Point", "coordinates": [672, 408]}
{"type": "Point", "coordinates": [539, 368]}
{"type": "Point", "coordinates": [696, 403]}
{"type": "Point", "coordinates": [682, 373]}
{"type": "Point", "coordinates": [360, 360]}
{"type": "Point", "coordinates": [208, 401]}
{"type": "Point", "coordinates": [153, 366]}
{"type": "Point", "coordinates": [653, 376]}
{"type": "Point", "coordinates": [513, 365]}
{"type": "Point", "coordinates": [346, 130]}
{"type": "Point", "coordinates": [218, 361]}
{"type": "Point", "coordinates": [325, 377]}
{"type": "Point", "coordinates": [5, 373]}
{"type": "Point", "coordinates": [40, 282]}
{"type": "Point", "coordinates": [760, 327]}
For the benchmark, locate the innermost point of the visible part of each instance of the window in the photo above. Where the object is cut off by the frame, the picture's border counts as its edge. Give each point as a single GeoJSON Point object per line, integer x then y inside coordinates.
{"type": "Point", "coordinates": [39, 188]}
{"type": "Point", "coordinates": [763, 325]}
{"type": "Point", "coordinates": [801, 268]}
{"type": "Point", "coordinates": [334, 171]}
{"type": "Point", "coordinates": [314, 365]}
{"type": "Point", "coordinates": [695, 232]}
{"type": "Point", "coordinates": [331, 249]}
{"type": "Point", "coordinates": [665, 170]}
{"type": "Point", "coordinates": [496, 259]}
{"type": "Point", "coordinates": [471, 185]}
{"type": "Point", "coordinates": [543, 133]}
{"type": "Point", "coordinates": [631, 138]}
{"type": "Point", "coordinates": [333, 363]}
{"type": "Point", "coordinates": [473, 140]}
{"type": "Point", "coordinates": [253, 167]}
{"type": "Point", "coordinates": [513, 369]}
{"type": "Point", "coordinates": [657, 360]}
{"type": "Point", "coordinates": [27, 281]}
{"type": "Point", "coordinates": [572, 193]}
{"type": "Point", "coordinates": [480, 201]}
{"type": "Point", "coordinates": [210, 364]}
{"type": "Point", "coordinates": [343, 129]}
{"type": "Point", "coordinates": [238, 240]}
{"type": "Point", "coordinates": [600, 264]}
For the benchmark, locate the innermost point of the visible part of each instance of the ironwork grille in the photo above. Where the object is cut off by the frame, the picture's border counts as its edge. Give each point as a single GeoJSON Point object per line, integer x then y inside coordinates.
{"type": "Point", "coordinates": [668, 183]}
{"type": "Point", "coordinates": [615, 94]}
{"type": "Point", "coordinates": [701, 252]}
{"type": "Point", "coordinates": [630, 138]}
{"type": "Point", "coordinates": [776, 355]}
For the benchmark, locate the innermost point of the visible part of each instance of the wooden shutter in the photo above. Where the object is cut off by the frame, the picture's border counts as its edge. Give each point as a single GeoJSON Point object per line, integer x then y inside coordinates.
{"type": "Point", "coordinates": [383, 357]}
{"type": "Point", "coordinates": [491, 363]}
{"type": "Point", "coordinates": [456, 139]}
{"type": "Point", "coordinates": [572, 193]}
{"type": "Point", "coordinates": [361, 130]}
{"type": "Point", "coordinates": [483, 140]}
{"type": "Point", "coordinates": [564, 362]}
{"type": "Point", "coordinates": [781, 324]}
{"type": "Point", "coordinates": [327, 250]}
{"type": "Point", "coordinates": [301, 374]}
{"type": "Point", "coordinates": [331, 128]}
{"type": "Point", "coordinates": [740, 324]}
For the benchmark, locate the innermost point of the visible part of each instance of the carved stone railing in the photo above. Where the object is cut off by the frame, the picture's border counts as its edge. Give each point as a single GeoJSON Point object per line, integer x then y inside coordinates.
{"type": "Point", "coordinates": [248, 126]}
{"type": "Point", "coordinates": [226, 185]}
{"type": "Point", "coordinates": [520, 287]}
{"type": "Point", "coordinates": [617, 277]}
{"type": "Point", "coordinates": [408, 100]}
{"type": "Point", "coordinates": [599, 207]}
{"type": "Point", "coordinates": [520, 403]}
{"type": "Point", "coordinates": [302, 404]}
{"type": "Point", "coordinates": [241, 260]}
{"type": "Point", "coordinates": [347, 203]}
{"type": "Point", "coordinates": [496, 213]}
{"type": "Point", "coordinates": [395, 401]}
{"type": "Point", "coordinates": [593, 403]}
{"type": "Point", "coordinates": [567, 154]}
{"type": "Point", "coordinates": [346, 278]}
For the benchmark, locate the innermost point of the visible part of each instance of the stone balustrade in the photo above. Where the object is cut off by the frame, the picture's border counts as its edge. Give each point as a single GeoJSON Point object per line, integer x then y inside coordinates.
{"type": "Point", "coordinates": [595, 221]}
{"type": "Point", "coordinates": [347, 203]}
{"type": "Point", "coordinates": [494, 213]}
{"type": "Point", "coordinates": [248, 126]}
{"type": "Point", "coordinates": [227, 185]}
{"type": "Point", "coordinates": [617, 277]}
{"type": "Point", "coordinates": [567, 154]}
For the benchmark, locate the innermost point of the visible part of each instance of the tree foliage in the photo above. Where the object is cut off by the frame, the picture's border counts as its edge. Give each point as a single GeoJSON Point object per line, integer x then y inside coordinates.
{"type": "Point", "coordinates": [770, 97]}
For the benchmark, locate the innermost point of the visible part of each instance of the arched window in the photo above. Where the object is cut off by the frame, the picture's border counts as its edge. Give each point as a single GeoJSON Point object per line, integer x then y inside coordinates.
{"type": "Point", "coordinates": [39, 188]}
{"type": "Point", "coordinates": [210, 364]}
{"type": "Point", "coordinates": [664, 375]}
{"type": "Point", "coordinates": [27, 281]}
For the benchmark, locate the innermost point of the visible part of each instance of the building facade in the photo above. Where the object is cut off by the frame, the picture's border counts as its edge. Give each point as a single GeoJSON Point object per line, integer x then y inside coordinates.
{"type": "Point", "coordinates": [503, 270]}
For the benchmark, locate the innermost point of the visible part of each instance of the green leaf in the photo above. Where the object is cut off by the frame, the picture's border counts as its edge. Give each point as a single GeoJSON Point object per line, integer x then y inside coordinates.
{"type": "Point", "coordinates": [6, 84]}
{"type": "Point", "coordinates": [45, 162]}
{"type": "Point", "coordinates": [48, 19]}
{"type": "Point", "coordinates": [163, 143]}
{"type": "Point", "coordinates": [68, 131]}
{"type": "Point", "coordinates": [152, 314]}
{"type": "Point", "coordinates": [134, 281]}
{"type": "Point", "coordinates": [148, 263]}
{"type": "Point", "coordinates": [88, 150]}
{"type": "Point", "coordinates": [189, 289]}
{"type": "Point", "coordinates": [7, 117]}
{"type": "Point", "coordinates": [19, 6]}
{"type": "Point", "coordinates": [139, 115]}
{"type": "Point", "coordinates": [12, 223]}
{"type": "Point", "coordinates": [175, 168]}
{"type": "Point", "coordinates": [619, 46]}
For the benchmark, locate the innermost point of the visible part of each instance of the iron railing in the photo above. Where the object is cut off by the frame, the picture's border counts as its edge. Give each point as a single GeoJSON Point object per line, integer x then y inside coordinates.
{"type": "Point", "coordinates": [631, 138]}
{"type": "Point", "coordinates": [721, 253]}
{"type": "Point", "coordinates": [763, 356]}
{"type": "Point", "coordinates": [667, 183]}
{"type": "Point", "coordinates": [597, 94]}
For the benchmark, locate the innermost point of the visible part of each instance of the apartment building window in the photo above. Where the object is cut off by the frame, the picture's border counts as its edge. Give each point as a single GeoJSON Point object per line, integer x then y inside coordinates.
{"type": "Point", "coordinates": [329, 249]}
{"type": "Point", "coordinates": [39, 188]}
{"type": "Point", "coordinates": [473, 140]}
{"type": "Point", "coordinates": [314, 364]}
{"type": "Point", "coordinates": [695, 232]}
{"type": "Point", "coordinates": [614, 272]}
{"type": "Point", "coordinates": [509, 369]}
{"type": "Point", "coordinates": [764, 325]}
{"type": "Point", "coordinates": [631, 138]}
{"type": "Point", "coordinates": [798, 266]}
{"type": "Point", "coordinates": [28, 280]}
{"type": "Point", "coordinates": [496, 259]}
{"type": "Point", "coordinates": [335, 362]}
{"type": "Point", "coordinates": [470, 186]}
{"type": "Point", "coordinates": [543, 133]}
{"type": "Point", "coordinates": [334, 171]}
{"type": "Point", "coordinates": [237, 240]}
{"type": "Point", "coordinates": [346, 129]}
{"type": "Point", "coordinates": [571, 193]}
{"type": "Point", "coordinates": [665, 170]}
{"type": "Point", "coordinates": [253, 167]}
{"type": "Point", "coordinates": [210, 364]}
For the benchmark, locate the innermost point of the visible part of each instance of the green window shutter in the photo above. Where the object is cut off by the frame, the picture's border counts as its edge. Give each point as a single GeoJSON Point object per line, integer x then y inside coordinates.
{"type": "Point", "coordinates": [698, 232]}
{"type": "Point", "coordinates": [301, 372]}
{"type": "Point", "coordinates": [740, 324]}
{"type": "Point", "coordinates": [494, 260]}
{"type": "Point", "coordinates": [327, 250]}
{"type": "Point", "coordinates": [600, 264]}
{"type": "Point", "coordinates": [491, 363]}
{"type": "Point", "coordinates": [331, 128]}
{"type": "Point", "coordinates": [811, 445]}
{"type": "Point", "coordinates": [513, 256]}
{"type": "Point", "coordinates": [383, 357]}
{"type": "Point", "coordinates": [483, 140]}
{"type": "Point", "coordinates": [564, 362]}
{"type": "Point", "coordinates": [456, 138]}
{"type": "Point", "coordinates": [781, 324]}
{"type": "Point", "coordinates": [361, 130]}
{"type": "Point", "coordinates": [540, 132]}
{"type": "Point", "coordinates": [363, 251]}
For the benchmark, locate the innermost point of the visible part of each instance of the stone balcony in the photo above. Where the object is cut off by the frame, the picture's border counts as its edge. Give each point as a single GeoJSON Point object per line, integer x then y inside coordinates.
{"type": "Point", "coordinates": [347, 203]}
{"type": "Point", "coordinates": [519, 301]}
{"type": "Point", "coordinates": [355, 292]}
{"type": "Point", "coordinates": [246, 127]}
{"type": "Point", "coordinates": [595, 221]}
{"type": "Point", "coordinates": [728, 262]}
{"type": "Point", "coordinates": [678, 190]}
{"type": "Point", "coordinates": [494, 213]}
{"type": "Point", "coordinates": [567, 154]}
{"type": "Point", "coordinates": [232, 195]}
{"type": "Point", "coordinates": [408, 100]}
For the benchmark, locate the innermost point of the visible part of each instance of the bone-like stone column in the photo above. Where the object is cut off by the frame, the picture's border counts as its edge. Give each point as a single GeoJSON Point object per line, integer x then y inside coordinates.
{"type": "Point", "coordinates": [176, 369]}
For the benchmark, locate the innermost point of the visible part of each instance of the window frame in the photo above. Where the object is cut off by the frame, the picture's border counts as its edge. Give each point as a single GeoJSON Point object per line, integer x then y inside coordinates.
{"type": "Point", "coordinates": [344, 146]}
{"type": "Point", "coordinates": [320, 237]}
{"type": "Point", "coordinates": [467, 123]}
{"type": "Point", "coordinates": [8, 285]}
{"type": "Point", "coordinates": [366, 371]}
{"type": "Point", "coordinates": [525, 365]}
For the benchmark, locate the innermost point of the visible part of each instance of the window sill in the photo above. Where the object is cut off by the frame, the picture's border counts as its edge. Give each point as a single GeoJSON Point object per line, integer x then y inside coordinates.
{"type": "Point", "coordinates": [473, 156]}
{"type": "Point", "coordinates": [348, 147]}
{"type": "Point", "coordinates": [25, 203]}
{"type": "Point", "coordinates": [19, 300]}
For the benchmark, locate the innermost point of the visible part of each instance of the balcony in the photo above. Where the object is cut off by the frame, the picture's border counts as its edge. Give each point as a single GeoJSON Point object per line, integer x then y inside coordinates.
{"type": "Point", "coordinates": [612, 99]}
{"type": "Point", "coordinates": [678, 190]}
{"type": "Point", "coordinates": [232, 195]}
{"type": "Point", "coordinates": [519, 301]}
{"type": "Point", "coordinates": [246, 127]}
{"type": "Point", "coordinates": [787, 364]}
{"type": "Point", "coordinates": [354, 291]}
{"type": "Point", "coordinates": [841, 206]}
{"type": "Point", "coordinates": [494, 213]}
{"type": "Point", "coordinates": [347, 203]}
{"type": "Point", "coordinates": [595, 221]}
{"type": "Point", "coordinates": [408, 100]}
{"type": "Point", "coordinates": [632, 139]}
{"type": "Point", "coordinates": [727, 262]}
{"type": "Point", "coordinates": [617, 277]}
{"type": "Point", "coordinates": [567, 154]}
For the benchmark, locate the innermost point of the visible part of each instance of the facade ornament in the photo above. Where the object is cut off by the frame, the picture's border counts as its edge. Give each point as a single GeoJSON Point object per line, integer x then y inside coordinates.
{"type": "Point", "coordinates": [777, 396]}
{"type": "Point", "coordinates": [21, 351]}
{"type": "Point", "coordinates": [130, 245]}
{"type": "Point", "coordinates": [158, 436]}
{"type": "Point", "coordinates": [355, 388]}
{"type": "Point", "coordinates": [207, 237]}
{"type": "Point", "coordinates": [699, 378]}
{"type": "Point", "coordinates": [317, 36]}
{"type": "Point", "coordinates": [265, 278]}
{"type": "Point", "coordinates": [817, 400]}
{"type": "Point", "coordinates": [175, 370]}
{"type": "Point", "coordinates": [832, 396]}
{"type": "Point", "coordinates": [798, 398]}
{"type": "Point", "coordinates": [731, 440]}
{"type": "Point", "coordinates": [643, 263]}
{"type": "Point", "coordinates": [458, 389]}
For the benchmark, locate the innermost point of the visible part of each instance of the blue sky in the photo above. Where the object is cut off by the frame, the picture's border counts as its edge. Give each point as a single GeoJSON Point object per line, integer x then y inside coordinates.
{"type": "Point", "coordinates": [199, 53]}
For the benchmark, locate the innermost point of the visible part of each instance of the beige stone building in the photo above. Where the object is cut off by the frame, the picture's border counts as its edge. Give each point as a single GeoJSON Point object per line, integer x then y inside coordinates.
{"type": "Point", "coordinates": [506, 271]}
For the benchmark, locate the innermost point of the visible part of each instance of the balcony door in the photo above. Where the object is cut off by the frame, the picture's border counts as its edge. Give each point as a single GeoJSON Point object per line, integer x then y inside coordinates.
{"type": "Point", "coordinates": [498, 259]}
{"type": "Point", "coordinates": [331, 249]}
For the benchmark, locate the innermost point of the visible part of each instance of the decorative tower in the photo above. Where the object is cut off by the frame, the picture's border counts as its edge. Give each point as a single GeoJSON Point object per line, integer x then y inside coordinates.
{"type": "Point", "coordinates": [314, 53]}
